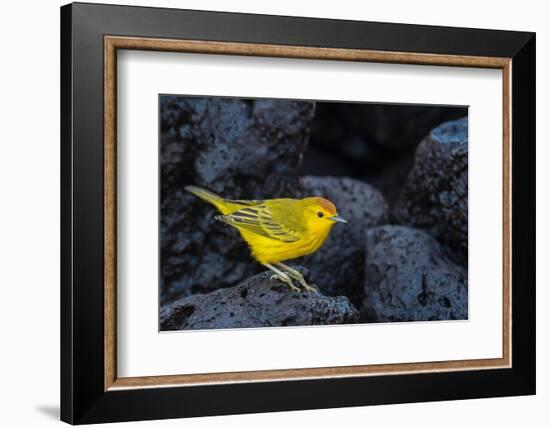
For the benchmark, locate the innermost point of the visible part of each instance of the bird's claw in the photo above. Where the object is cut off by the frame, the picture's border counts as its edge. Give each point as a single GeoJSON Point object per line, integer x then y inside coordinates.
{"type": "Point", "coordinates": [308, 287]}
{"type": "Point", "coordinates": [286, 281]}
{"type": "Point", "coordinates": [289, 282]}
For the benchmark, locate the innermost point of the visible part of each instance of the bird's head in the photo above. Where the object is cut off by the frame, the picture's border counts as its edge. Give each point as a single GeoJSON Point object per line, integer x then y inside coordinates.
{"type": "Point", "coordinates": [320, 214]}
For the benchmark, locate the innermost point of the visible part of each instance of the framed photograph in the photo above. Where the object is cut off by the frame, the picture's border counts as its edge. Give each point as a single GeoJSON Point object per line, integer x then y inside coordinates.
{"type": "Point", "coordinates": [265, 213]}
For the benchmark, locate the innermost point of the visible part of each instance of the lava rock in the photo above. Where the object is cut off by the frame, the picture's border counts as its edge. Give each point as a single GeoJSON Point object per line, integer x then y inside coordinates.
{"type": "Point", "coordinates": [238, 148]}
{"type": "Point", "coordinates": [338, 266]}
{"type": "Point", "coordinates": [256, 302]}
{"type": "Point", "coordinates": [410, 277]}
{"type": "Point", "coordinates": [435, 197]}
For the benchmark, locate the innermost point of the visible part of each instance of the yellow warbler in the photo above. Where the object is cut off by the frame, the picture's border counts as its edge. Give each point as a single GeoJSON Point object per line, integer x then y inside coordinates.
{"type": "Point", "coordinates": [277, 229]}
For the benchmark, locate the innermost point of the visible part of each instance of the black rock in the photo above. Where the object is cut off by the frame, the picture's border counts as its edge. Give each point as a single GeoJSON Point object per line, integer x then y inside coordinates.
{"type": "Point", "coordinates": [409, 277]}
{"type": "Point", "coordinates": [238, 148]}
{"type": "Point", "coordinates": [256, 302]}
{"type": "Point", "coordinates": [338, 266]}
{"type": "Point", "coordinates": [435, 197]}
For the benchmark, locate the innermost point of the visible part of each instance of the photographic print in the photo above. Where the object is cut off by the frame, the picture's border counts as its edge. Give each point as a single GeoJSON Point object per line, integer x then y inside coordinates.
{"type": "Point", "coordinates": [279, 213]}
{"type": "Point", "coordinates": [309, 207]}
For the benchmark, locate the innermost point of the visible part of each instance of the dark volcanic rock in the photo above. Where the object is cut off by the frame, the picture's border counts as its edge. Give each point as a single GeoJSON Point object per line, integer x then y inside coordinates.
{"type": "Point", "coordinates": [409, 277]}
{"type": "Point", "coordinates": [238, 148]}
{"type": "Point", "coordinates": [435, 197]}
{"type": "Point", "coordinates": [256, 302]}
{"type": "Point", "coordinates": [338, 266]}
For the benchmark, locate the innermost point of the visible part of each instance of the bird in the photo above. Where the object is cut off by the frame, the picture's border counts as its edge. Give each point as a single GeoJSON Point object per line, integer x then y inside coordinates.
{"type": "Point", "coordinates": [277, 229]}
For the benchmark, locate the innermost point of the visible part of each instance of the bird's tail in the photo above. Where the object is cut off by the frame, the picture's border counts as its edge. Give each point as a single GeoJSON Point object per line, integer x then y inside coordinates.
{"type": "Point", "coordinates": [207, 195]}
{"type": "Point", "coordinates": [220, 203]}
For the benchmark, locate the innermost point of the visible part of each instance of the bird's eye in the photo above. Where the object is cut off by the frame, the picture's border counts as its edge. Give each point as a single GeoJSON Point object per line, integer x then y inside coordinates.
{"type": "Point", "coordinates": [320, 214]}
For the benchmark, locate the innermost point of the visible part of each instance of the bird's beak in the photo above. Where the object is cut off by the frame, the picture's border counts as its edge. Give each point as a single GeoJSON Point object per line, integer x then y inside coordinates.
{"type": "Point", "coordinates": [337, 218]}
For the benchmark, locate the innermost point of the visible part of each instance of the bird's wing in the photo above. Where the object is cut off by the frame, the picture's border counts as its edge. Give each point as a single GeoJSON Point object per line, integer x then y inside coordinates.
{"type": "Point", "coordinates": [247, 203]}
{"type": "Point", "coordinates": [264, 221]}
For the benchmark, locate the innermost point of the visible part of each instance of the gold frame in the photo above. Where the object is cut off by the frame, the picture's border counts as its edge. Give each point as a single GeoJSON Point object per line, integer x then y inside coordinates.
{"type": "Point", "coordinates": [113, 43]}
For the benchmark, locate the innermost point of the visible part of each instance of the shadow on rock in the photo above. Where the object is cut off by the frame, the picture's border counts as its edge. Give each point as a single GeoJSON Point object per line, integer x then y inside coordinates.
{"type": "Point", "coordinates": [377, 140]}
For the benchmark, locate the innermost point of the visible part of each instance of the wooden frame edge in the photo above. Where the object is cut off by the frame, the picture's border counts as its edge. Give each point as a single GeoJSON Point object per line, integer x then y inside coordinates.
{"type": "Point", "coordinates": [301, 52]}
{"type": "Point", "coordinates": [507, 213]}
{"type": "Point", "coordinates": [109, 198]}
{"type": "Point", "coordinates": [112, 43]}
{"type": "Point", "coordinates": [300, 374]}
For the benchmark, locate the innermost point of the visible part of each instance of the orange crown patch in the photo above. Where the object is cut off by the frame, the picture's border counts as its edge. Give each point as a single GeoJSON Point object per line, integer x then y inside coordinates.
{"type": "Point", "coordinates": [327, 205]}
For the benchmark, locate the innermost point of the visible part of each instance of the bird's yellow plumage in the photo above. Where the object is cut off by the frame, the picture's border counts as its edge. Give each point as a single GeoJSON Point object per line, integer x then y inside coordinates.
{"type": "Point", "coordinates": [277, 229]}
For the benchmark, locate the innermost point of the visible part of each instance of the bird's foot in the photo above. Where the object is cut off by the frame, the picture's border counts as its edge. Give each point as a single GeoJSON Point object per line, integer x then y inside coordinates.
{"type": "Point", "coordinates": [298, 277]}
{"type": "Point", "coordinates": [306, 286]}
{"type": "Point", "coordinates": [286, 280]}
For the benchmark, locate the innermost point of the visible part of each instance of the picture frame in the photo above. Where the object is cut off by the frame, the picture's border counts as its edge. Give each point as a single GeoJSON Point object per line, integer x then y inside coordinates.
{"type": "Point", "coordinates": [91, 390]}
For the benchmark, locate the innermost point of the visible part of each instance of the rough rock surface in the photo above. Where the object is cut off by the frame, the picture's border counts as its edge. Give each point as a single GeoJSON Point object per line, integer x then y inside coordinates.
{"type": "Point", "coordinates": [256, 302]}
{"type": "Point", "coordinates": [238, 148]}
{"type": "Point", "coordinates": [435, 197]}
{"type": "Point", "coordinates": [338, 266]}
{"type": "Point", "coordinates": [409, 277]}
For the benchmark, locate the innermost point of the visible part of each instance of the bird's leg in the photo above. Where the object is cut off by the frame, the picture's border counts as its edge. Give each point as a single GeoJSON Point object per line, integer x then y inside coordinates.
{"type": "Point", "coordinates": [297, 276]}
{"type": "Point", "coordinates": [281, 276]}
